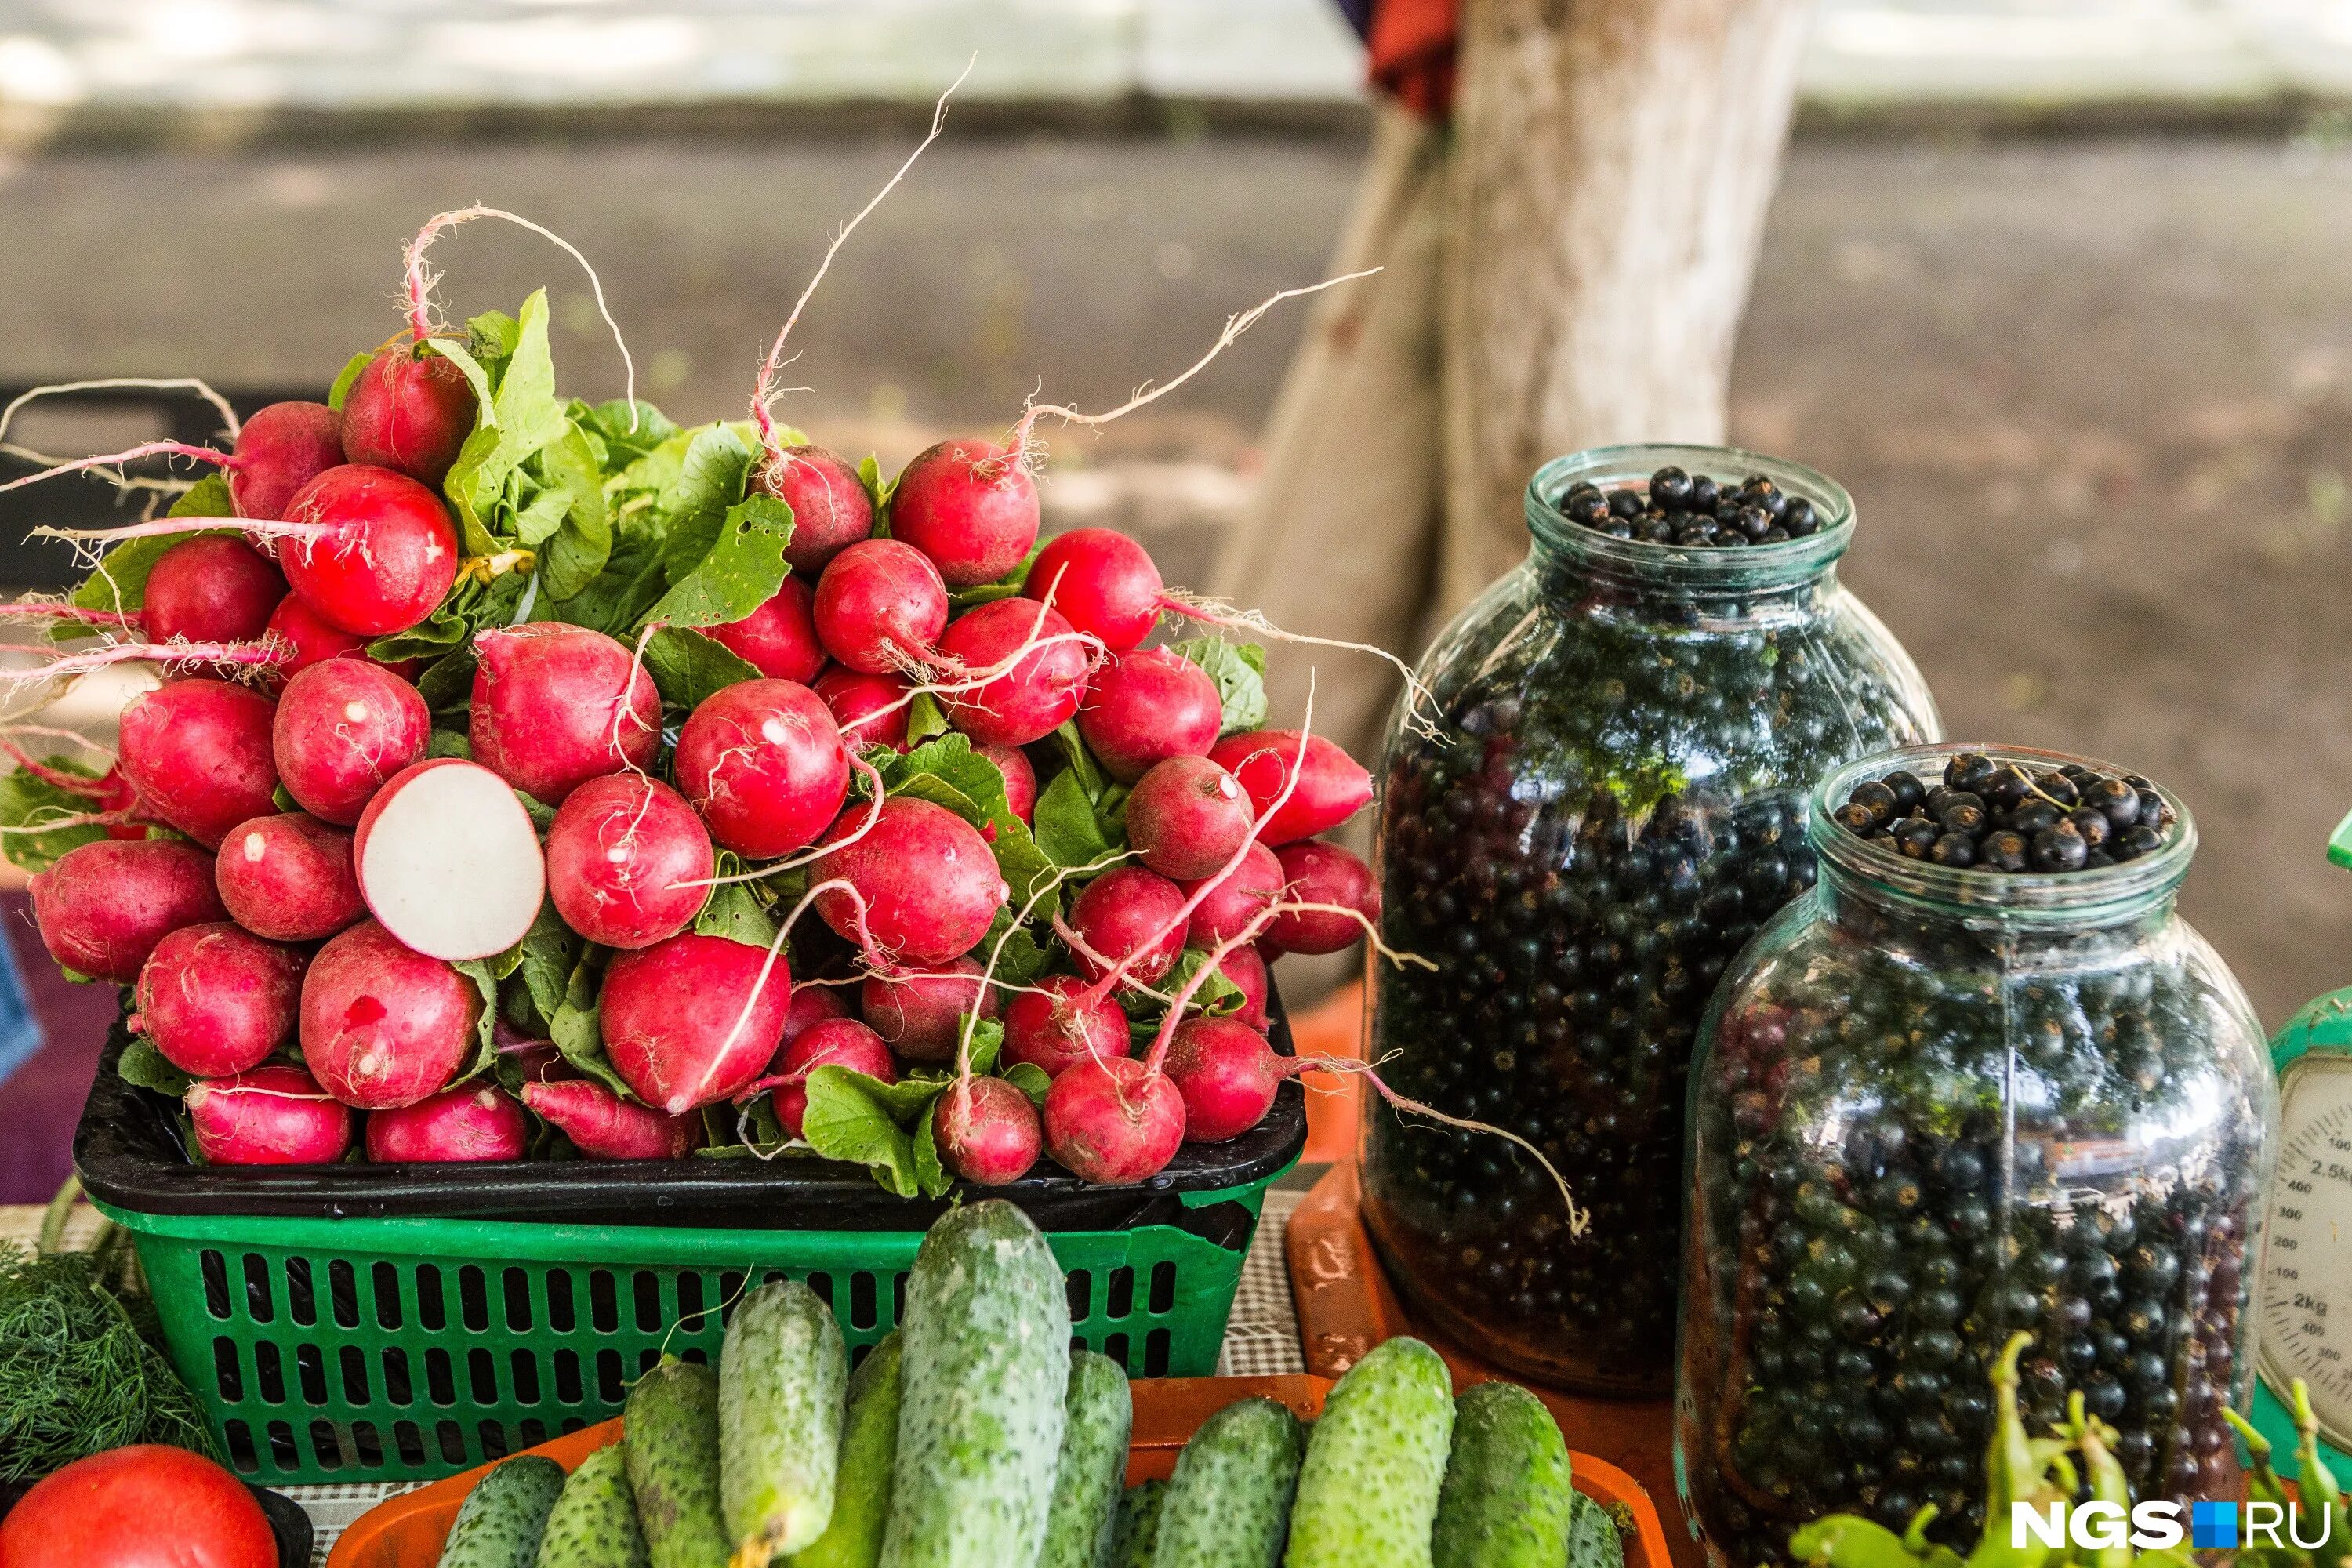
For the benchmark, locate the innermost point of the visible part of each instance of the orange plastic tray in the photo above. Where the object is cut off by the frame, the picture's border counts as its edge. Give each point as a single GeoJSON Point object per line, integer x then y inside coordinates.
{"type": "Point", "coordinates": [408, 1530]}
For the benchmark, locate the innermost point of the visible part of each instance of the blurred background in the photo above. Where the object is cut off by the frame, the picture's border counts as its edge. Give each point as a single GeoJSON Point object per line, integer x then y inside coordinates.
{"type": "Point", "coordinates": [2060, 289]}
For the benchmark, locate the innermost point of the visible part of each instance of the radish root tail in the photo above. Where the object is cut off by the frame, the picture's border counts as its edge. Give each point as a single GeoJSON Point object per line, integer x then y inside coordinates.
{"type": "Point", "coordinates": [419, 281]}
{"type": "Point", "coordinates": [1420, 702]}
{"type": "Point", "coordinates": [201, 388]}
{"type": "Point", "coordinates": [129, 455]}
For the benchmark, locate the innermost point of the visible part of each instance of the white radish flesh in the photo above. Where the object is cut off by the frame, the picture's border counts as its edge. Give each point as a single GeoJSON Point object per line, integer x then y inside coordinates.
{"type": "Point", "coordinates": [449, 862]}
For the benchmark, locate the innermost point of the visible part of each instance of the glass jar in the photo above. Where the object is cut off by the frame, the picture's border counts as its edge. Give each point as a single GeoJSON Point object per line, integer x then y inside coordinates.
{"type": "Point", "coordinates": [1933, 1108]}
{"type": "Point", "coordinates": [1600, 802]}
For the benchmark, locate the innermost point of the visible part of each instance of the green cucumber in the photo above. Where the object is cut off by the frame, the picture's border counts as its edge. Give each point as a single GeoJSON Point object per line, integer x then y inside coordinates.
{"type": "Point", "coordinates": [780, 1377]}
{"type": "Point", "coordinates": [1229, 1504]}
{"type": "Point", "coordinates": [1368, 1489]}
{"type": "Point", "coordinates": [1136, 1534]}
{"type": "Point", "coordinates": [671, 1423]}
{"type": "Point", "coordinates": [869, 1448]}
{"type": "Point", "coordinates": [499, 1523]}
{"type": "Point", "coordinates": [1098, 1414]}
{"type": "Point", "coordinates": [1507, 1499]}
{"type": "Point", "coordinates": [594, 1525]}
{"type": "Point", "coordinates": [987, 1336]}
{"type": "Point", "coordinates": [1593, 1538]}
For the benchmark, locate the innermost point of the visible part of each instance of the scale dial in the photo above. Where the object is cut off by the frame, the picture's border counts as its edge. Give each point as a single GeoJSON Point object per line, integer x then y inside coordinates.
{"type": "Point", "coordinates": [2306, 1282]}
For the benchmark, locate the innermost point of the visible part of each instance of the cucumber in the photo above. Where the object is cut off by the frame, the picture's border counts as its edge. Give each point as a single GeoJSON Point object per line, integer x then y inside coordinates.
{"type": "Point", "coordinates": [1098, 1414]}
{"type": "Point", "coordinates": [987, 1335]}
{"type": "Point", "coordinates": [869, 1447]}
{"type": "Point", "coordinates": [1368, 1489]}
{"type": "Point", "coordinates": [781, 1377]}
{"type": "Point", "coordinates": [1229, 1504]}
{"type": "Point", "coordinates": [1506, 1497]}
{"type": "Point", "coordinates": [1593, 1538]}
{"type": "Point", "coordinates": [499, 1523]}
{"type": "Point", "coordinates": [1136, 1535]}
{"type": "Point", "coordinates": [672, 1454]}
{"type": "Point", "coordinates": [594, 1525]}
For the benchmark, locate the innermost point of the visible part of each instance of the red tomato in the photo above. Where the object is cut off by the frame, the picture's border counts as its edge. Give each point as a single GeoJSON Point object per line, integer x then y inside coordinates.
{"type": "Point", "coordinates": [143, 1507]}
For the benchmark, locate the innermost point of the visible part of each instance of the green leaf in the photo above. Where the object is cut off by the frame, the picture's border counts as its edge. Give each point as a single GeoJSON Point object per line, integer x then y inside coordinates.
{"type": "Point", "coordinates": [550, 951]}
{"type": "Point", "coordinates": [522, 415]}
{"type": "Point", "coordinates": [628, 430]}
{"type": "Point", "coordinates": [1030, 1079]}
{"type": "Point", "coordinates": [1082, 762]}
{"type": "Point", "coordinates": [688, 666]}
{"type": "Point", "coordinates": [447, 683]}
{"type": "Point", "coordinates": [25, 800]}
{"type": "Point", "coordinates": [469, 607]}
{"type": "Point", "coordinates": [620, 594]}
{"type": "Point", "coordinates": [450, 743]}
{"type": "Point", "coordinates": [987, 1043]}
{"type": "Point", "coordinates": [493, 336]}
{"type": "Point", "coordinates": [119, 581]}
{"type": "Point", "coordinates": [345, 376]}
{"type": "Point", "coordinates": [484, 974]}
{"type": "Point", "coordinates": [1240, 674]}
{"type": "Point", "coordinates": [576, 1027]}
{"type": "Point", "coordinates": [1217, 995]}
{"type": "Point", "coordinates": [878, 489]}
{"type": "Point", "coordinates": [143, 1067]}
{"type": "Point", "coordinates": [925, 718]}
{"type": "Point", "coordinates": [1022, 958]}
{"type": "Point", "coordinates": [846, 1120]}
{"type": "Point", "coordinates": [735, 909]}
{"type": "Point", "coordinates": [712, 474]}
{"type": "Point", "coordinates": [932, 1178]}
{"type": "Point", "coordinates": [1067, 830]}
{"type": "Point", "coordinates": [462, 357]}
{"type": "Point", "coordinates": [741, 570]}
{"type": "Point", "coordinates": [583, 542]}
{"type": "Point", "coordinates": [1004, 587]}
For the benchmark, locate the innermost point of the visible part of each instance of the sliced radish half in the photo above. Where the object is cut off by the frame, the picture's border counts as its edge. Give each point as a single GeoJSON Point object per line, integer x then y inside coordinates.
{"type": "Point", "coordinates": [449, 860]}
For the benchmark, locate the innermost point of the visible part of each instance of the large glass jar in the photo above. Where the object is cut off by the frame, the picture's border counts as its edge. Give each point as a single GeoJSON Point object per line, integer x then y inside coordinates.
{"type": "Point", "coordinates": [1933, 1108]}
{"type": "Point", "coordinates": [1600, 802]}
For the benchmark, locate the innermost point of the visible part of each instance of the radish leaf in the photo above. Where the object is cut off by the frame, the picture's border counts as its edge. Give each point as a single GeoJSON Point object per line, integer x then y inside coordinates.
{"type": "Point", "coordinates": [1240, 674]}
{"type": "Point", "coordinates": [741, 570]}
{"type": "Point", "coordinates": [688, 667]}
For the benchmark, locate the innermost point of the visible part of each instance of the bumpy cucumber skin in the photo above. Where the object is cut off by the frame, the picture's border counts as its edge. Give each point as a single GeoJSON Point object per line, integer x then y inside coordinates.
{"type": "Point", "coordinates": [869, 1450]}
{"type": "Point", "coordinates": [1592, 1538]}
{"type": "Point", "coordinates": [1368, 1489]}
{"type": "Point", "coordinates": [671, 1424]}
{"type": "Point", "coordinates": [781, 1379]}
{"type": "Point", "coordinates": [1136, 1534]}
{"type": "Point", "coordinates": [1099, 1416]}
{"type": "Point", "coordinates": [499, 1523]}
{"type": "Point", "coordinates": [1507, 1499]}
{"type": "Point", "coordinates": [594, 1525]}
{"type": "Point", "coordinates": [1229, 1504]}
{"type": "Point", "coordinates": [987, 1334]}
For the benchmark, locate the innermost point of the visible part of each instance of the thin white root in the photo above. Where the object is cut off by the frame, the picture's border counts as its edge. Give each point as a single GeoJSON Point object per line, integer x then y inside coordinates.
{"type": "Point", "coordinates": [252, 527]}
{"type": "Point", "coordinates": [1396, 956]}
{"type": "Point", "coordinates": [1050, 884]}
{"type": "Point", "coordinates": [269, 652]}
{"type": "Point", "coordinates": [420, 283]}
{"type": "Point", "coordinates": [873, 778]}
{"type": "Point", "coordinates": [112, 460]}
{"type": "Point", "coordinates": [1419, 705]}
{"type": "Point", "coordinates": [72, 819]}
{"type": "Point", "coordinates": [229, 421]}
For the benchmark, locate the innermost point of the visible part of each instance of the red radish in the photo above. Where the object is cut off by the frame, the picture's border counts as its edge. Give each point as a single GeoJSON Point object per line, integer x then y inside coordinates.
{"type": "Point", "coordinates": [691, 1021]}
{"type": "Point", "coordinates": [103, 907]}
{"type": "Point", "coordinates": [763, 761]}
{"type": "Point", "coordinates": [288, 878]}
{"type": "Point", "coordinates": [1035, 692]}
{"type": "Point", "coordinates": [987, 1131]}
{"type": "Point", "coordinates": [1320, 873]}
{"type": "Point", "coordinates": [410, 410]}
{"type": "Point", "coordinates": [1235, 899]}
{"type": "Point", "coordinates": [1331, 788]}
{"type": "Point", "coordinates": [281, 448]}
{"type": "Point", "coordinates": [840, 1042]}
{"type": "Point", "coordinates": [929, 883]}
{"type": "Point", "coordinates": [1146, 706]}
{"type": "Point", "coordinates": [1227, 1073]}
{"type": "Point", "coordinates": [448, 859]}
{"type": "Point", "coordinates": [920, 1012]}
{"type": "Point", "coordinates": [1103, 583]}
{"type": "Point", "coordinates": [388, 554]}
{"type": "Point", "coordinates": [341, 729]}
{"type": "Point", "coordinates": [969, 506]}
{"type": "Point", "coordinates": [1187, 817]}
{"type": "Point", "coordinates": [628, 862]}
{"type": "Point", "coordinates": [830, 508]}
{"type": "Point", "coordinates": [197, 753]}
{"type": "Point", "coordinates": [870, 708]}
{"type": "Point", "coordinates": [1020, 782]}
{"type": "Point", "coordinates": [1128, 911]}
{"type": "Point", "coordinates": [555, 705]}
{"type": "Point", "coordinates": [147, 1506]}
{"type": "Point", "coordinates": [274, 1115]}
{"type": "Point", "coordinates": [779, 639]}
{"type": "Point", "coordinates": [383, 1024]}
{"type": "Point", "coordinates": [1113, 1122]}
{"type": "Point", "coordinates": [213, 589]}
{"type": "Point", "coordinates": [812, 1004]}
{"type": "Point", "coordinates": [217, 1000]}
{"type": "Point", "coordinates": [880, 606]}
{"type": "Point", "coordinates": [604, 1126]}
{"type": "Point", "coordinates": [472, 1121]}
{"type": "Point", "coordinates": [1245, 967]}
{"type": "Point", "coordinates": [310, 639]}
{"type": "Point", "coordinates": [1062, 1026]}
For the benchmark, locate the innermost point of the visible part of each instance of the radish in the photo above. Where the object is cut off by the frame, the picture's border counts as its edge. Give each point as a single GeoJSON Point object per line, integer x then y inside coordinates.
{"type": "Point", "coordinates": [812, 1004]}
{"type": "Point", "coordinates": [214, 589]}
{"type": "Point", "coordinates": [144, 1506]}
{"type": "Point", "coordinates": [341, 729]}
{"type": "Point", "coordinates": [830, 508]}
{"type": "Point", "coordinates": [216, 1000]}
{"type": "Point", "coordinates": [1187, 817]}
{"type": "Point", "coordinates": [1227, 1075]}
{"type": "Point", "coordinates": [1059, 1024]}
{"type": "Point", "coordinates": [920, 1012]}
{"type": "Point", "coordinates": [197, 752]}
{"type": "Point", "coordinates": [281, 448]}
{"type": "Point", "coordinates": [843, 1042]}
{"type": "Point", "coordinates": [273, 1115]}
{"type": "Point", "coordinates": [308, 639]}
{"type": "Point", "coordinates": [779, 639]}
{"type": "Point", "coordinates": [928, 884]}
{"type": "Point", "coordinates": [880, 606]}
{"type": "Point", "coordinates": [1145, 707]}
{"type": "Point", "coordinates": [628, 862]}
{"type": "Point", "coordinates": [1234, 899]}
{"type": "Point", "coordinates": [103, 907]}
{"type": "Point", "coordinates": [1331, 788]}
{"type": "Point", "coordinates": [691, 1021]}
{"type": "Point", "coordinates": [383, 1024]}
{"type": "Point", "coordinates": [1113, 1121]}
{"type": "Point", "coordinates": [448, 859]}
{"type": "Point", "coordinates": [1129, 917]}
{"type": "Point", "coordinates": [1020, 672]}
{"type": "Point", "coordinates": [381, 555]}
{"type": "Point", "coordinates": [288, 878]}
{"type": "Point", "coordinates": [1104, 582]}
{"type": "Point", "coordinates": [555, 705]}
{"type": "Point", "coordinates": [409, 410]}
{"type": "Point", "coordinates": [987, 1131]}
{"type": "Point", "coordinates": [969, 506]}
{"type": "Point", "coordinates": [1318, 873]}
{"type": "Point", "coordinates": [473, 1122]}
{"type": "Point", "coordinates": [870, 708]}
{"type": "Point", "coordinates": [604, 1126]}
{"type": "Point", "coordinates": [764, 762]}
{"type": "Point", "coordinates": [1020, 783]}
{"type": "Point", "coordinates": [1245, 967]}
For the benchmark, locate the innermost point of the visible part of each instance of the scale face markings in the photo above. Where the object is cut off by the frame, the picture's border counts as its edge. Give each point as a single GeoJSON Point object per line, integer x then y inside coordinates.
{"type": "Point", "coordinates": [2306, 1296]}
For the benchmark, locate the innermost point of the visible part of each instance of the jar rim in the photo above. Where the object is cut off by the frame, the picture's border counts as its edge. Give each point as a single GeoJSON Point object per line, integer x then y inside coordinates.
{"type": "Point", "coordinates": [2070, 895]}
{"type": "Point", "coordinates": [1756, 565]}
